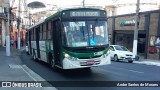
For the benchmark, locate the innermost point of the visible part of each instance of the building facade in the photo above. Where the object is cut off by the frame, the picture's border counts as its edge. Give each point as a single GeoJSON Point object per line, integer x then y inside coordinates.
{"type": "Point", "coordinates": [2, 30]}
{"type": "Point", "coordinates": [3, 4]}
{"type": "Point", "coordinates": [13, 25]}
{"type": "Point", "coordinates": [121, 30]}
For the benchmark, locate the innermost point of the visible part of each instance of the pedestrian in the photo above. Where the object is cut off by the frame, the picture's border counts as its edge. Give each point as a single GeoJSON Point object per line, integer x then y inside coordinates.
{"type": "Point", "coordinates": [12, 42]}
{"type": "Point", "coordinates": [21, 42]}
{"type": "Point", "coordinates": [16, 43]}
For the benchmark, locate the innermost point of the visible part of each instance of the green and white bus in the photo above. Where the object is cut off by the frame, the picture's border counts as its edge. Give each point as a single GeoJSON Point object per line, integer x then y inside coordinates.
{"type": "Point", "coordinates": [71, 38]}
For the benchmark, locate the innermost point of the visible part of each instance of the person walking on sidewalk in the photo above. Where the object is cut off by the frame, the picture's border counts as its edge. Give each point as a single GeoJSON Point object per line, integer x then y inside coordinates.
{"type": "Point", "coordinates": [16, 43]}
{"type": "Point", "coordinates": [12, 42]}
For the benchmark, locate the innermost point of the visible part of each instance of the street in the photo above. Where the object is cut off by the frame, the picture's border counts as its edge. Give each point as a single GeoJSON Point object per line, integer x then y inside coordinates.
{"type": "Point", "coordinates": [76, 34]}
{"type": "Point", "coordinates": [117, 71]}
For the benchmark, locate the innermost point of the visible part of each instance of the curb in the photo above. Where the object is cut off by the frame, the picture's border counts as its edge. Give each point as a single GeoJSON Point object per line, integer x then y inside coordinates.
{"type": "Point", "coordinates": [34, 76]}
{"type": "Point", "coordinates": [147, 63]}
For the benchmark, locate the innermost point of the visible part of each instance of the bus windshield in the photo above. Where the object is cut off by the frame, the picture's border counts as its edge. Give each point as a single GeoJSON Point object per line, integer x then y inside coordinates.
{"type": "Point", "coordinates": [85, 33]}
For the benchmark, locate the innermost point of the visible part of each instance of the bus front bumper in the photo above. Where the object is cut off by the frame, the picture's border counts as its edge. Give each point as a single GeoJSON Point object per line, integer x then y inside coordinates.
{"type": "Point", "coordinates": [84, 63]}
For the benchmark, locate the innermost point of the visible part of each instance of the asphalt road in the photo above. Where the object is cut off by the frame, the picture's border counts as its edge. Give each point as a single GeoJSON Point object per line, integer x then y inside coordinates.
{"type": "Point", "coordinates": [117, 71]}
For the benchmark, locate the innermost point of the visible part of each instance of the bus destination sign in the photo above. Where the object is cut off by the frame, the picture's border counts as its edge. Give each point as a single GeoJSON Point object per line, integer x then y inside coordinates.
{"type": "Point", "coordinates": [84, 13]}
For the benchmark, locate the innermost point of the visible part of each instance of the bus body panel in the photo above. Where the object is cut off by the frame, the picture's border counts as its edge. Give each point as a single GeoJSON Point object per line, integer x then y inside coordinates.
{"type": "Point", "coordinates": [37, 43]}
{"type": "Point", "coordinates": [49, 50]}
{"type": "Point", "coordinates": [29, 43]}
{"type": "Point", "coordinates": [43, 51]}
{"type": "Point", "coordinates": [82, 63]}
{"type": "Point", "coordinates": [80, 60]}
{"type": "Point", "coordinates": [33, 47]}
{"type": "Point", "coordinates": [66, 58]}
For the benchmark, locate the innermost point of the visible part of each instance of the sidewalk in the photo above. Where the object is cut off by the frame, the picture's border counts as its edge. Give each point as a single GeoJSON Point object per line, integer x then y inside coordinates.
{"type": "Point", "coordinates": [148, 62]}
{"type": "Point", "coordinates": [12, 69]}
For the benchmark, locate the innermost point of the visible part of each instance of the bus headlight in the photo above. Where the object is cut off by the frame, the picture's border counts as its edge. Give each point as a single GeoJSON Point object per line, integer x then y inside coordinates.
{"type": "Point", "coordinates": [66, 55]}
{"type": "Point", "coordinates": [69, 57]}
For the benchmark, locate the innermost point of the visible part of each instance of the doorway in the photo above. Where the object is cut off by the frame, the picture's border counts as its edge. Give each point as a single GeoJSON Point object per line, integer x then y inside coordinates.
{"type": "Point", "coordinates": [127, 41]}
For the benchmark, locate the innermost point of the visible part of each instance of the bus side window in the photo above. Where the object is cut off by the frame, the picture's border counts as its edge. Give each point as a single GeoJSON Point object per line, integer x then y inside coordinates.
{"type": "Point", "coordinates": [59, 28]}
{"type": "Point", "coordinates": [44, 35]}
{"type": "Point", "coordinates": [49, 30]}
{"type": "Point", "coordinates": [40, 34]}
{"type": "Point", "coordinates": [49, 34]}
{"type": "Point", "coordinates": [44, 32]}
{"type": "Point", "coordinates": [34, 34]}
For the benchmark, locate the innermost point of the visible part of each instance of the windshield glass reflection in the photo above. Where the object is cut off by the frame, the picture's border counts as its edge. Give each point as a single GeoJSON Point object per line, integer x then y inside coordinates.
{"type": "Point", "coordinates": [85, 33]}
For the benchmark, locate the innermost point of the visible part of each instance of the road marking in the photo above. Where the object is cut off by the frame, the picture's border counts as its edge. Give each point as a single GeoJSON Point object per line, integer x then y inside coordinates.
{"type": "Point", "coordinates": [28, 74]}
{"type": "Point", "coordinates": [14, 66]}
{"type": "Point", "coordinates": [131, 70]}
{"type": "Point", "coordinates": [147, 63]}
{"type": "Point", "coordinates": [136, 71]}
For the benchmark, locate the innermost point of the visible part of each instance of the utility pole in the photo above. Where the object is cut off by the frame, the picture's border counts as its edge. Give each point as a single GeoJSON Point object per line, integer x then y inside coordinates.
{"type": "Point", "coordinates": [83, 3]}
{"type": "Point", "coordinates": [7, 32]}
{"type": "Point", "coordinates": [30, 19]}
{"type": "Point", "coordinates": [19, 25]}
{"type": "Point", "coordinates": [135, 42]}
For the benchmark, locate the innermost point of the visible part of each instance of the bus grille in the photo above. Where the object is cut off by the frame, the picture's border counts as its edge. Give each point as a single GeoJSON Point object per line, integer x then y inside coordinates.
{"type": "Point", "coordinates": [85, 63]}
{"type": "Point", "coordinates": [89, 57]}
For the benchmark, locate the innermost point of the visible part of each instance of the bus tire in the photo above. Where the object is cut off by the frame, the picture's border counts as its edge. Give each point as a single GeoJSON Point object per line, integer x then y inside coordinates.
{"type": "Point", "coordinates": [52, 62]}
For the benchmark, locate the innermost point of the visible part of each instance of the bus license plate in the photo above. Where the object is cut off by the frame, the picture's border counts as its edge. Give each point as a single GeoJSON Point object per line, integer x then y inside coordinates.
{"type": "Point", "coordinates": [90, 62]}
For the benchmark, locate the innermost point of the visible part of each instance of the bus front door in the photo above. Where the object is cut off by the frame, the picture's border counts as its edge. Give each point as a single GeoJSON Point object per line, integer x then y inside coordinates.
{"type": "Point", "coordinates": [56, 42]}
{"type": "Point", "coordinates": [37, 41]}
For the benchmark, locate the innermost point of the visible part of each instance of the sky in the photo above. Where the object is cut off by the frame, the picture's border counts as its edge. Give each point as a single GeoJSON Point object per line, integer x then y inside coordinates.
{"type": "Point", "coordinates": [121, 10]}
{"type": "Point", "coordinates": [72, 2]}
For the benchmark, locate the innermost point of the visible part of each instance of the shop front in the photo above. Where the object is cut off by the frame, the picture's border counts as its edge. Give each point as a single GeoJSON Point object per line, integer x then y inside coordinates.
{"type": "Point", "coordinates": [125, 38]}
{"type": "Point", "coordinates": [121, 28]}
{"type": "Point", "coordinates": [2, 32]}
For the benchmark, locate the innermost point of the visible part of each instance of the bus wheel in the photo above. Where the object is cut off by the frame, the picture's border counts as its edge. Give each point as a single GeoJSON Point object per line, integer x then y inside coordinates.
{"type": "Point", "coordinates": [52, 63]}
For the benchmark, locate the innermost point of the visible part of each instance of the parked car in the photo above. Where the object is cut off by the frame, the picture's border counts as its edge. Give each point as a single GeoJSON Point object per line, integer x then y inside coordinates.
{"type": "Point", "coordinates": [118, 52]}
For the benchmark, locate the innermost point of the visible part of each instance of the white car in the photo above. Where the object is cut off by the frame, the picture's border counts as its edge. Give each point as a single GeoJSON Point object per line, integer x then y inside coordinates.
{"type": "Point", "coordinates": [118, 52]}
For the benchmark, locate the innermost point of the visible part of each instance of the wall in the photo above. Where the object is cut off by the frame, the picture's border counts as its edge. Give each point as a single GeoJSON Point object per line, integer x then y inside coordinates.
{"type": "Point", "coordinates": [3, 3]}
{"type": "Point", "coordinates": [129, 18]}
{"type": "Point", "coordinates": [110, 25]}
{"type": "Point", "coordinates": [153, 29]}
{"type": "Point", "coordinates": [3, 33]}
